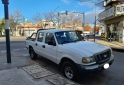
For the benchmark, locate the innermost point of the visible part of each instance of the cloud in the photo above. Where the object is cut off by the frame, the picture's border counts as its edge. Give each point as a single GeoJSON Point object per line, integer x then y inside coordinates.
{"type": "Point", "coordinates": [66, 1]}
{"type": "Point", "coordinates": [86, 4]}
{"type": "Point", "coordinates": [89, 4]}
{"type": "Point", "coordinates": [90, 16]}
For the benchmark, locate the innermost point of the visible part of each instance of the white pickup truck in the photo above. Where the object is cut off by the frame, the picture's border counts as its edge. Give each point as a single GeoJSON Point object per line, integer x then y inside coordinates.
{"type": "Point", "coordinates": [67, 49]}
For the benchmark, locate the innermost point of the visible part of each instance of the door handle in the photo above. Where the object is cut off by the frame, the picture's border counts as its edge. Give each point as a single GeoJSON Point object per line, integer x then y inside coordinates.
{"type": "Point", "coordinates": [43, 46]}
{"type": "Point", "coordinates": [36, 44]}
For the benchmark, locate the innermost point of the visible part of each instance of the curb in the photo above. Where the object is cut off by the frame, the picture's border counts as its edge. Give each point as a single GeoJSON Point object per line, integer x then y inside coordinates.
{"type": "Point", "coordinates": [114, 48]}
{"type": "Point", "coordinates": [117, 49]}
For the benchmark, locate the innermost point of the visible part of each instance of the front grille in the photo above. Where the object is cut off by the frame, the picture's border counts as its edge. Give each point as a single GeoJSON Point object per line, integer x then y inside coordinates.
{"type": "Point", "coordinates": [103, 57]}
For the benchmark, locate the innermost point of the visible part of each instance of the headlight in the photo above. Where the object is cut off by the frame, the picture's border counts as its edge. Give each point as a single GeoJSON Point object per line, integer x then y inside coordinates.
{"type": "Point", "coordinates": [88, 60]}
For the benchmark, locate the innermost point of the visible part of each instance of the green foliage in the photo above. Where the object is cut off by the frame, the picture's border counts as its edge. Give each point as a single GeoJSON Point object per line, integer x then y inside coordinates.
{"type": "Point", "coordinates": [2, 24]}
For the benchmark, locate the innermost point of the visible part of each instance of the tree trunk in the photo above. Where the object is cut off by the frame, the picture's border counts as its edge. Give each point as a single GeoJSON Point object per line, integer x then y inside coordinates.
{"type": "Point", "coordinates": [0, 33]}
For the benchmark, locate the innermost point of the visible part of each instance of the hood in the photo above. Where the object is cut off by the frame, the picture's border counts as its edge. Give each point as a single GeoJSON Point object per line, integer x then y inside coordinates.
{"type": "Point", "coordinates": [86, 47]}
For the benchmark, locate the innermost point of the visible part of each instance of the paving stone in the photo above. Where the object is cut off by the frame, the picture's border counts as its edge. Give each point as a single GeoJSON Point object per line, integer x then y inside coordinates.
{"type": "Point", "coordinates": [42, 74]}
{"type": "Point", "coordinates": [58, 80]}
{"type": "Point", "coordinates": [37, 71]}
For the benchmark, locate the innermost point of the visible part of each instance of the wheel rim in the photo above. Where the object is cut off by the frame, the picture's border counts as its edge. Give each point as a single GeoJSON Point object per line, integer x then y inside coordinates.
{"type": "Point", "coordinates": [69, 72]}
{"type": "Point", "coordinates": [31, 54]}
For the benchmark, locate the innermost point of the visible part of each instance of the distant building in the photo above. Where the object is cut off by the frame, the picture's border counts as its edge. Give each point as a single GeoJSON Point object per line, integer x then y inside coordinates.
{"type": "Point", "coordinates": [26, 28]}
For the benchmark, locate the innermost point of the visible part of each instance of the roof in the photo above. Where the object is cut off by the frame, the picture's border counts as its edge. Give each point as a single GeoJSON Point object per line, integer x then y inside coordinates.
{"type": "Point", "coordinates": [53, 30]}
{"type": "Point", "coordinates": [87, 28]}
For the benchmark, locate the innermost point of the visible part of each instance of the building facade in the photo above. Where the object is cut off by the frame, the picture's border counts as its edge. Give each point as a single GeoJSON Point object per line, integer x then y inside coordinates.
{"type": "Point", "coordinates": [113, 20]}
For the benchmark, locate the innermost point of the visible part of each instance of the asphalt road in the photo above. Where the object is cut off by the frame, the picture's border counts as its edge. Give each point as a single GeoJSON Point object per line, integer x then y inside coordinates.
{"type": "Point", "coordinates": [15, 43]}
{"type": "Point", "coordinates": [112, 76]}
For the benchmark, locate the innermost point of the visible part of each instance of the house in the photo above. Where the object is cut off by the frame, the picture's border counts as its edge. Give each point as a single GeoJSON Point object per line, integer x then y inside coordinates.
{"type": "Point", "coordinates": [26, 28]}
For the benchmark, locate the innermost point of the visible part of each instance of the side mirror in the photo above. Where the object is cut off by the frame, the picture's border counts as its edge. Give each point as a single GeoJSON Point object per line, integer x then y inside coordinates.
{"type": "Point", "coordinates": [28, 38]}
{"type": "Point", "coordinates": [82, 37]}
{"type": "Point", "coordinates": [51, 43]}
{"type": "Point", "coordinates": [33, 39]}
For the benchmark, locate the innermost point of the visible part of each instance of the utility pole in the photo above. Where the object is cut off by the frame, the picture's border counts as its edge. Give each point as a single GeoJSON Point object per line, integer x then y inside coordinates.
{"type": "Point", "coordinates": [83, 24]}
{"type": "Point", "coordinates": [55, 10]}
{"type": "Point", "coordinates": [6, 14]}
{"type": "Point", "coordinates": [95, 23]}
{"type": "Point", "coordinates": [95, 3]}
{"type": "Point", "coordinates": [58, 20]}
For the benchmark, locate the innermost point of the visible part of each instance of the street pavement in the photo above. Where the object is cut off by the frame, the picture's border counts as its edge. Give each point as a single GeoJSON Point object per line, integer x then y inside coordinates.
{"type": "Point", "coordinates": [23, 71]}
{"type": "Point", "coordinates": [112, 76]}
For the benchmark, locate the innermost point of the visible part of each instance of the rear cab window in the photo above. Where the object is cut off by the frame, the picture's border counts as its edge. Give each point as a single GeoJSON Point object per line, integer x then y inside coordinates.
{"type": "Point", "coordinates": [40, 36]}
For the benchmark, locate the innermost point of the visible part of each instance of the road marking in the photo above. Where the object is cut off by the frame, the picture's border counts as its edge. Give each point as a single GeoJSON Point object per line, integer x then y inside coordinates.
{"type": "Point", "coordinates": [15, 49]}
{"type": "Point", "coordinates": [24, 48]}
{"type": "Point", "coordinates": [25, 55]}
{"type": "Point", "coordinates": [3, 51]}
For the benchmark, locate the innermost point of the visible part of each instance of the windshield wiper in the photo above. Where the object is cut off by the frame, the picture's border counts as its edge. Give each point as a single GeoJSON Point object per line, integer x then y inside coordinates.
{"type": "Point", "coordinates": [77, 40]}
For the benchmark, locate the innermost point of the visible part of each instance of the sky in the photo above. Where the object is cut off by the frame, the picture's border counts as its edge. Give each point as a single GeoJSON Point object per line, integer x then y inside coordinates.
{"type": "Point", "coordinates": [28, 8]}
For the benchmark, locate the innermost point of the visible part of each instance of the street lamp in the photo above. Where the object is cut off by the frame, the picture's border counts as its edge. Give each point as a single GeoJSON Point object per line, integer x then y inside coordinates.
{"type": "Point", "coordinates": [83, 23]}
{"type": "Point", "coordinates": [6, 2]}
{"type": "Point", "coordinates": [55, 10]}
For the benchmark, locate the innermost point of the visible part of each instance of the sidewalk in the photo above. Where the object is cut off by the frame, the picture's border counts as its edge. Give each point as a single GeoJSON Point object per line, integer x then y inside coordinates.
{"type": "Point", "coordinates": [23, 71]}
{"type": "Point", "coordinates": [114, 45]}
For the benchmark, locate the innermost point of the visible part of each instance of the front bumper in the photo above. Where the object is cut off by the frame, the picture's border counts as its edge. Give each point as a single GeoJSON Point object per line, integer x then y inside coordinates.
{"type": "Point", "coordinates": [83, 69]}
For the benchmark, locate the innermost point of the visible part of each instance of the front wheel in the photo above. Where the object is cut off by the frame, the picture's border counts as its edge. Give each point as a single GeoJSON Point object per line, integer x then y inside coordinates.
{"type": "Point", "coordinates": [69, 70]}
{"type": "Point", "coordinates": [33, 55]}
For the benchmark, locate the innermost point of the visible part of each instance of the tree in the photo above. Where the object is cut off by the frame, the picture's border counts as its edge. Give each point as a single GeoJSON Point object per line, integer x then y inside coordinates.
{"type": "Point", "coordinates": [38, 19]}
{"type": "Point", "coordinates": [14, 18]}
{"type": "Point", "coordinates": [50, 17]}
{"type": "Point", "coordinates": [2, 25]}
{"type": "Point", "coordinates": [70, 21]}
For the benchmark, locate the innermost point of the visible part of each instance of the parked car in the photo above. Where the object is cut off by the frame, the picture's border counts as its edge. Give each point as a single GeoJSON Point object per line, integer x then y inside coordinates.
{"type": "Point", "coordinates": [67, 49]}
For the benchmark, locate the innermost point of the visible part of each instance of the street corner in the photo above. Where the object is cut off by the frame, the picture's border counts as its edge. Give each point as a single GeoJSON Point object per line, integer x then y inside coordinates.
{"type": "Point", "coordinates": [15, 62]}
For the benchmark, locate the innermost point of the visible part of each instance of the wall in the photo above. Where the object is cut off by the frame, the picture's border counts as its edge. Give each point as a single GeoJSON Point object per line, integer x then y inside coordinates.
{"type": "Point", "coordinates": [123, 34]}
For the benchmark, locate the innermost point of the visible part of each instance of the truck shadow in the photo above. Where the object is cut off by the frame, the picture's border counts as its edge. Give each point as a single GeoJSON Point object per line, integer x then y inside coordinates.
{"type": "Point", "coordinates": [89, 79]}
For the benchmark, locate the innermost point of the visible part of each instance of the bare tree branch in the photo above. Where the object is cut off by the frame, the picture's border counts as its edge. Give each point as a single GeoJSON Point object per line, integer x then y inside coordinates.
{"type": "Point", "coordinates": [50, 16]}
{"type": "Point", "coordinates": [38, 18]}
{"type": "Point", "coordinates": [14, 19]}
{"type": "Point", "coordinates": [70, 21]}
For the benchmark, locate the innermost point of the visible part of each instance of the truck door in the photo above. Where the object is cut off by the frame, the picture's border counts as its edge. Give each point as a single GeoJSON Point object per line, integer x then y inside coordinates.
{"type": "Point", "coordinates": [39, 43]}
{"type": "Point", "coordinates": [50, 50]}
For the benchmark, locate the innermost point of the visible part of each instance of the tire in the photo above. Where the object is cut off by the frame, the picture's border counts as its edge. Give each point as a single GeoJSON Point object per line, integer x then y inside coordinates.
{"type": "Point", "coordinates": [70, 71]}
{"type": "Point", "coordinates": [33, 55]}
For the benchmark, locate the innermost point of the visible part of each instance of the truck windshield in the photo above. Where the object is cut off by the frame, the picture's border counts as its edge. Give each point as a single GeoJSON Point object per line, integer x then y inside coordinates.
{"type": "Point", "coordinates": [67, 37]}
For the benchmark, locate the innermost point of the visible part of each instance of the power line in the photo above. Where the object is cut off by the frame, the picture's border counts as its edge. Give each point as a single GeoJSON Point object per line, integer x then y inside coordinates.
{"type": "Point", "coordinates": [89, 9]}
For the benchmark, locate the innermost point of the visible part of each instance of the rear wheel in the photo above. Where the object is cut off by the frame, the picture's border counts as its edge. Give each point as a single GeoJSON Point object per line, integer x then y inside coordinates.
{"type": "Point", "coordinates": [69, 70]}
{"type": "Point", "coordinates": [33, 55]}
